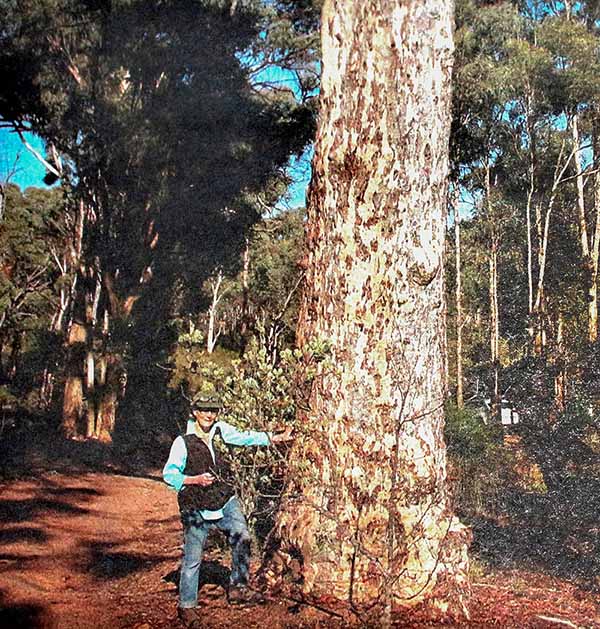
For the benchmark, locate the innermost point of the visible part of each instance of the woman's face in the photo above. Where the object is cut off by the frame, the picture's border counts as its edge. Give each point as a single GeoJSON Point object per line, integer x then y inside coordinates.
{"type": "Point", "coordinates": [204, 419]}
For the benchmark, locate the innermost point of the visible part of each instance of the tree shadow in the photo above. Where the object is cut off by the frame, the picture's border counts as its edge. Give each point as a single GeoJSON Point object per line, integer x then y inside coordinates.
{"type": "Point", "coordinates": [104, 562]}
{"type": "Point", "coordinates": [557, 532]}
{"type": "Point", "coordinates": [47, 498]}
{"type": "Point", "coordinates": [29, 508]}
{"type": "Point", "coordinates": [23, 615]}
{"type": "Point", "coordinates": [23, 457]}
{"type": "Point", "coordinates": [211, 573]}
{"type": "Point", "coordinates": [18, 518]}
{"type": "Point", "coordinates": [22, 534]}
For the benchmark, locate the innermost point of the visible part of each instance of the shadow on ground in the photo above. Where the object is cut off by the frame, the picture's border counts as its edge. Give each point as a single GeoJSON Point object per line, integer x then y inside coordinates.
{"type": "Point", "coordinates": [47, 498]}
{"type": "Point", "coordinates": [22, 457]}
{"type": "Point", "coordinates": [22, 615]}
{"type": "Point", "coordinates": [557, 532]}
{"type": "Point", "coordinates": [105, 562]}
{"type": "Point", "coordinates": [211, 573]}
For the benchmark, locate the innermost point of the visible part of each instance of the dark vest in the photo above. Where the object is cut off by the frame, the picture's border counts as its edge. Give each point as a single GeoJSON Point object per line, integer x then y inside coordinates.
{"type": "Point", "coordinates": [199, 461]}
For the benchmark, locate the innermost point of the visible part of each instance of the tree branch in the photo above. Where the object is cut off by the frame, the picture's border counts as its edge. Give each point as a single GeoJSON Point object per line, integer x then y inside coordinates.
{"type": "Point", "coordinates": [36, 154]}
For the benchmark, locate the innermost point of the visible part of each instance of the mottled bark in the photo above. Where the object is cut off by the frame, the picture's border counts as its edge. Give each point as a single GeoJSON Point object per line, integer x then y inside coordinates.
{"type": "Point", "coordinates": [367, 517]}
{"type": "Point", "coordinates": [73, 407]}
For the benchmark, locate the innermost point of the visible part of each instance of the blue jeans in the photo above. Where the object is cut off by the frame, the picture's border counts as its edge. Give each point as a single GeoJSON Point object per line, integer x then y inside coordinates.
{"type": "Point", "coordinates": [195, 532]}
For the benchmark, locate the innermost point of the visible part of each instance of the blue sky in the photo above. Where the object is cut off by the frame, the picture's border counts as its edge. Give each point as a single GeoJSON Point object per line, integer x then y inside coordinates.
{"type": "Point", "coordinates": [29, 171]}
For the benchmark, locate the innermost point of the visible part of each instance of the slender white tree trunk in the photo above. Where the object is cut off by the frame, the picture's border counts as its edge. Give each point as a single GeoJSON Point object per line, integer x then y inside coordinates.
{"type": "Point", "coordinates": [213, 332]}
{"type": "Point", "coordinates": [459, 306]}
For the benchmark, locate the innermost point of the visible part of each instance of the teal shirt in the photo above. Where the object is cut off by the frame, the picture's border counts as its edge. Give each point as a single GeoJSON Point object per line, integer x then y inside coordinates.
{"type": "Point", "coordinates": [173, 469]}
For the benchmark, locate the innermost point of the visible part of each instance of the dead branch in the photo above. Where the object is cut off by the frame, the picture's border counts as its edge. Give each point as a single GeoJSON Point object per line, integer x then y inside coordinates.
{"type": "Point", "coordinates": [558, 621]}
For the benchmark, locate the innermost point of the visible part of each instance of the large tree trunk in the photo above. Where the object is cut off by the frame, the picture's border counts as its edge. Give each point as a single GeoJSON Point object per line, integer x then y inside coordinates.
{"type": "Point", "coordinates": [79, 397]}
{"type": "Point", "coordinates": [94, 373]}
{"type": "Point", "coordinates": [367, 516]}
{"type": "Point", "coordinates": [73, 405]}
{"type": "Point", "coordinates": [109, 370]}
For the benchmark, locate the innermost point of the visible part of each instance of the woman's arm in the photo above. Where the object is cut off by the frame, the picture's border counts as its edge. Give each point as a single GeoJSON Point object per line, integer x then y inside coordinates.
{"type": "Point", "coordinates": [235, 437]}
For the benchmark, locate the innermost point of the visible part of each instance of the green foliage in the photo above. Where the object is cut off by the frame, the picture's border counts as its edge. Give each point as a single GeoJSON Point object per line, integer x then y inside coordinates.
{"type": "Point", "coordinates": [257, 395]}
{"type": "Point", "coordinates": [165, 138]}
{"type": "Point", "coordinates": [194, 370]}
{"type": "Point", "coordinates": [274, 295]}
{"type": "Point", "coordinates": [33, 238]}
{"type": "Point", "coordinates": [468, 436]}
{"type": "Point", "coordinates": [192, 338]}
{"type": "Point", "coordinates": [479, 466]}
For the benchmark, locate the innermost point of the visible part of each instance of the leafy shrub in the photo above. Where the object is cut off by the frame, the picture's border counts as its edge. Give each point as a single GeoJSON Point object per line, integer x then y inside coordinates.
{"type": "Point", "coordinates": [260, 395]}
{"type": "Point", "coordinates": [479, 466]}
{"type": "Point", "coordinates": [467, 436]}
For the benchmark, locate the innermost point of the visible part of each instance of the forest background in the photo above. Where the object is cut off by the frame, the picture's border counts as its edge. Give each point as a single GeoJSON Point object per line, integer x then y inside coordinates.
{"type": "Point", "coordinates": [163, 261]}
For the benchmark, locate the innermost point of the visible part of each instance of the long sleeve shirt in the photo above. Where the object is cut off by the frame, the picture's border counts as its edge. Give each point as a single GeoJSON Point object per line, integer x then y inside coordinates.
{"type": "Point", "coordinates": [175, 465]}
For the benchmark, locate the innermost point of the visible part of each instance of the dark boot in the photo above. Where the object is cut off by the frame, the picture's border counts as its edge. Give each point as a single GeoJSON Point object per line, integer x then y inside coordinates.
{"type": "Point", "coordinates": [243, 595]}
{"type": "Point", "coordinates": [189, 617]}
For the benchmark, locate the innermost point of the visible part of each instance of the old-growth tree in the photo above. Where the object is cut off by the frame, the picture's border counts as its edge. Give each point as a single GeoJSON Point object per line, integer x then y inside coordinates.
{"type": "Point", "coordinates": [367, 516]}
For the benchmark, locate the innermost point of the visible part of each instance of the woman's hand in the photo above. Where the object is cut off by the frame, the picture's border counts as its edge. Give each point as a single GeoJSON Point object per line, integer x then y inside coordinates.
{"type": "Point", "coordinates": [204, 480]}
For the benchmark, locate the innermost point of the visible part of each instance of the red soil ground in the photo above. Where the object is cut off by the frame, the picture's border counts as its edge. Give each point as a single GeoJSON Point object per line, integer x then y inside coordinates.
{"type": "Point", "coordinates": [100, 550]}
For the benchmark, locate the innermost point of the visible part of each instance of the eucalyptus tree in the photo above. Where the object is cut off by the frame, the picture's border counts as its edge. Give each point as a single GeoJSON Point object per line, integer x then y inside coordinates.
{"type": "Point", "coordinates": [163, 137]}
{"type": "Point", "coordinates": [480, 142]}
{"type": "Point", "coordinates": [523, 143]}
{"type": "Point", "coordinates": [539, 63]}
{"type": "Point", "coordinates": [572, 39]}
{"type": "Point", "coordinates": [366, 518]}
{"type": "Point", "coordinates": [31, 233]}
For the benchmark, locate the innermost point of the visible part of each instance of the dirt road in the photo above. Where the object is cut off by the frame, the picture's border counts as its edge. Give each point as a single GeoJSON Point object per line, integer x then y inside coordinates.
{"type": "Point", "coordinates": [87, 550]}
{"type": "Point", "coordinates": [100, 550]}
